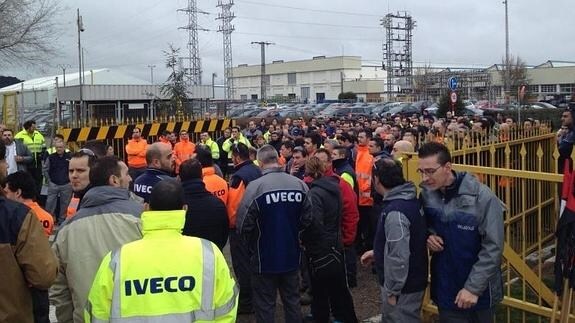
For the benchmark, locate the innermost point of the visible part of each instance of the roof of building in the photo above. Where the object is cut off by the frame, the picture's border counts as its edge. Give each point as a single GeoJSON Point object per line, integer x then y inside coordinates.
{"type": "Point", "coordinates": [102, 76]}
{"type": "Point", "coordinates": [551, 63]}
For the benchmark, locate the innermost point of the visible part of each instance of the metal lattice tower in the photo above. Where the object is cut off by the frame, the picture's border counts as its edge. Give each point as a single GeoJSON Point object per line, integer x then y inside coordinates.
{"type": "Point", "coordinates": [397, 52]}
{"type": "Point", "coordinates": [193, 71]}
{"type": "Point", "coordinates": [226, 28]}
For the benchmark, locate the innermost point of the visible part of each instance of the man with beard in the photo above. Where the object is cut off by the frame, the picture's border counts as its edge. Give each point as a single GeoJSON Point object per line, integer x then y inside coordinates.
{"type": "Point", "coordinates": [160, 162]}
{"type": "Point", "coordinates": [18, 156]}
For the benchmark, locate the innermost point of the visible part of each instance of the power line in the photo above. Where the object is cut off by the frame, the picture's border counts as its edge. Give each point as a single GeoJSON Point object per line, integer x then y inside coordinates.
{"type": "Point", "coordinates": [309, 37]}
{"type": "Point", "coordinates": [308, 23]}
{"type": "Point", "coordinates": [312, 10]}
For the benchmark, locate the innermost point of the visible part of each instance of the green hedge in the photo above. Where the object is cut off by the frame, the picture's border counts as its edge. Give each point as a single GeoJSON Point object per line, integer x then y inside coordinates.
{"type": "Point", "coordinates": [552, 115]}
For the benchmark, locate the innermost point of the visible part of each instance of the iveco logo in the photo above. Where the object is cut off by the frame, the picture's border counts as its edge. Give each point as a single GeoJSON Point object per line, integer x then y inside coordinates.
{"type": "Point", "coordinates": [284, 197]}
{"type": "Point", "coordinates": [159, 285]}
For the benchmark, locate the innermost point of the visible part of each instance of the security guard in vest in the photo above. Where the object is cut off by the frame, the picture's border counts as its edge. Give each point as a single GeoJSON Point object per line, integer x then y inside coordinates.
{"type": "Point", "coordinates": [165, 277]}
{"type": "Point", "coordinates": [36, 143]}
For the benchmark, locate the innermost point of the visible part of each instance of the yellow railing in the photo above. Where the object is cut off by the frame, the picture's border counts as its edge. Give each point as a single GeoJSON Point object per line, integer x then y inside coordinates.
{"type": "Point", "coordinates": [522, 172]}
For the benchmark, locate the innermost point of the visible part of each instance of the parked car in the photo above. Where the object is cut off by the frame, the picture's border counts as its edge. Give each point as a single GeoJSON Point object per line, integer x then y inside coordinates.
{"type": "Point", "coordinates": [338, 112]}
{"type": "Point", "coordinates": [403, 109]}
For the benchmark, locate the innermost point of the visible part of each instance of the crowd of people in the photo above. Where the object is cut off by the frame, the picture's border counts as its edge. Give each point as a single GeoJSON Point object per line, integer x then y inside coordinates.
{"type": "Point", "coordinates": [300, 202]}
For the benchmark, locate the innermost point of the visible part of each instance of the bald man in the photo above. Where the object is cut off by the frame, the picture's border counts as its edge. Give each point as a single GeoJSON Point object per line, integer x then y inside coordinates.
{"type": "Point", "coordinates": [400, 147]}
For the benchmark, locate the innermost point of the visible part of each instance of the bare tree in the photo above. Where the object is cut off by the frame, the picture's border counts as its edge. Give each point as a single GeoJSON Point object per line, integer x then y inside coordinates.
{"type": "Point", "coordinates": [517, 74]}
{"type": "Point", "coordinates": [27, 31]}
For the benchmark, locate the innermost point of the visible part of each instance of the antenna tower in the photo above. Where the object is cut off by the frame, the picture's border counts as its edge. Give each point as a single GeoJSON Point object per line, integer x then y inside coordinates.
{"type": "Point", "coordinates": [193, 71]}
{"type": "Point", "coordinates": [226, 28]}
{"type": "Point", "coordinates": [397, 53]}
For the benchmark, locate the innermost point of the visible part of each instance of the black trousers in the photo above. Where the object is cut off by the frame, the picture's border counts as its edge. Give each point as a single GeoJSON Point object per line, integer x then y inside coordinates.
{"type": "Point", "coordinates": [41, 305]}
{"type": "Point", "coordinates": [481, 316]}
{"type": "Point", "coordinates": [241, 265]}
{"type": "Point", "coordinates": [365, 230]}
{"type": "Point", "coordinates": [36, 173]}
{"type": "Point", "coordinates": [329, 283]}
{"type": "Point", "coordinates": [266, 286]}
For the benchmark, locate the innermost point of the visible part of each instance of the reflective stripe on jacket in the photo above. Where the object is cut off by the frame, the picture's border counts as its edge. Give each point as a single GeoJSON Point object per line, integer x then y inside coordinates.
{"type": "Point", "coordinates": [148, 280]}
{"type": "Point", "coordinates": [72, 207]}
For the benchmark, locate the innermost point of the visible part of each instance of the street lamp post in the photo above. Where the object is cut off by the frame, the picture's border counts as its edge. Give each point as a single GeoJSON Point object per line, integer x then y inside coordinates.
{"type": "Point", "coordinates": [80, 26]}
{"type": "Point", "coordinates": [214, 75]}
{"type": "Point", "coordinates": [63, 67]}
{"type": "Point", "coordinates": [507, 63]}
{"type": "Point", "coordinates": [152, 73]}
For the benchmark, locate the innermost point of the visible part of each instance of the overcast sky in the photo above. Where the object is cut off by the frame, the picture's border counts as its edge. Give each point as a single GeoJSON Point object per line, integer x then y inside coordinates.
{"type": "Point", "coordinates": [129, 35]}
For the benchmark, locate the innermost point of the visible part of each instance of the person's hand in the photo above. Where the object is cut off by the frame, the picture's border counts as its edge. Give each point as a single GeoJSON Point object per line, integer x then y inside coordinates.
{"type": "Point", "coordinates": [435, 243]}
{"type": "Point", "coordinates": [392, 300]}
{"type": "Point", "coordinates": [294, 169]}
{"type": "Point", "coordinates": [465, 299]}
{"type": "Point", "coordinates": [367, 258]}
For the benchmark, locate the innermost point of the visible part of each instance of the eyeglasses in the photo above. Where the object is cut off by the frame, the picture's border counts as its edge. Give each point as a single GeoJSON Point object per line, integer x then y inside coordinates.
{"type": "Point", "coordinates": [428, 171]}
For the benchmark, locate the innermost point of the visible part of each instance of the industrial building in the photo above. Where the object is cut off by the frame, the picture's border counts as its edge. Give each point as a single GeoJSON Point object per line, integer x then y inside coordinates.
{"type": "Point", "coordinates": [105, 96]}
{"type": "Point", "coordinates": [312, 80]}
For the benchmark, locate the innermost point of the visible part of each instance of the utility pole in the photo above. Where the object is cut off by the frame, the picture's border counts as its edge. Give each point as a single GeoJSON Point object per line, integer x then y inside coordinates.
{"type": "Point", "coordinates": [80, 26]}
{"type": "Point", "coordinates": [341, 82]}
{"type": "Point", "coordinates": [507, 63]}
{"type": "Point", "coordinates": [83, 67]}
{"type": "Point", "coordinates": [214, 75]}
{"type": "Point", "coordinates": [152, 73]}
{"type": "Point", "coordinates": [263, 45]}
{"type": "Point", "coordinates": [63, 67]}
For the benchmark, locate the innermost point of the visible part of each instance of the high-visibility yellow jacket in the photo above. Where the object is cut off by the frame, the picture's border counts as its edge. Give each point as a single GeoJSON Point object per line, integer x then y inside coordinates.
{"type": "Point", "coordinates": [34, 142]}
{"type": "Point", "coordinates": [165, 277]}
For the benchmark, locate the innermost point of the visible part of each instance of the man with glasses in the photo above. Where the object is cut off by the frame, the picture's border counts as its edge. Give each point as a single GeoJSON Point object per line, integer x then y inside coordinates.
{"type": "Point", "coordinates": [465, 221]}
{"type": "Point", "coordinates": [136, 152]}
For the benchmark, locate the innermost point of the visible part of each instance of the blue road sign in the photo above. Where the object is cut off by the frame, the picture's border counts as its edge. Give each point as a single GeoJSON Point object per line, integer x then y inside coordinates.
{"type": "Point", "coordinates": [452, 83]}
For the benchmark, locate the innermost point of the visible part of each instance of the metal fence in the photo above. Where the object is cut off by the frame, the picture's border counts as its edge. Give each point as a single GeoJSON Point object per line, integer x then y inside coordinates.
{"type": "Point", "coordinates": [118, 135]}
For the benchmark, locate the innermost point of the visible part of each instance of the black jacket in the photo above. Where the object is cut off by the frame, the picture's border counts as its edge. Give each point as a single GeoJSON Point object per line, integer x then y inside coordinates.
{"type": "Point", "coordinates": [323, 235]}
{"type": "Point", "coordinates": [206, 216]}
